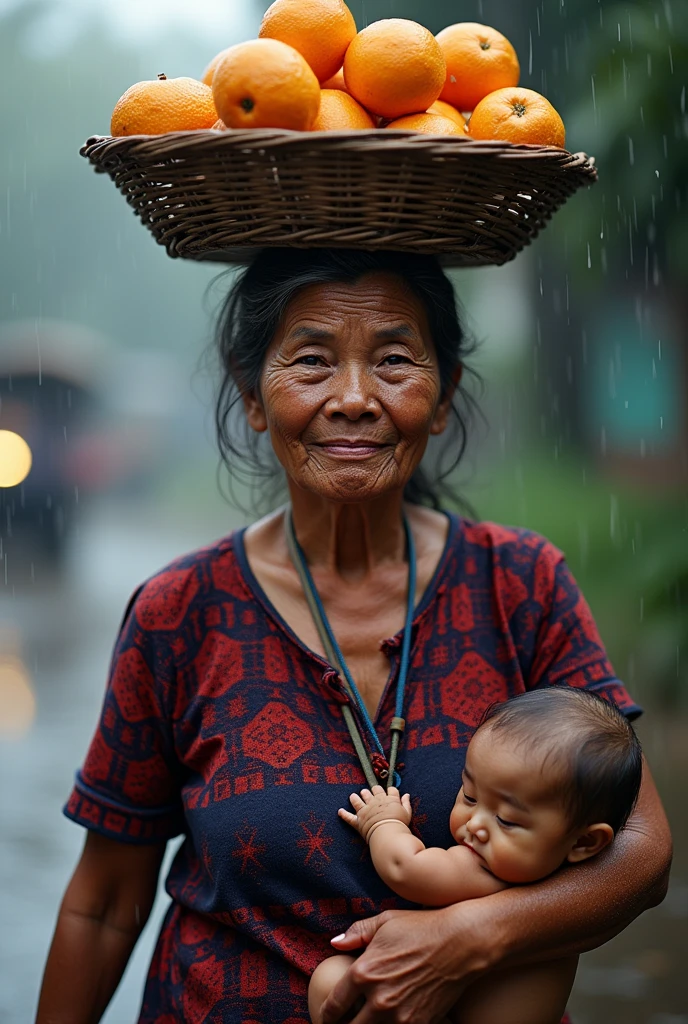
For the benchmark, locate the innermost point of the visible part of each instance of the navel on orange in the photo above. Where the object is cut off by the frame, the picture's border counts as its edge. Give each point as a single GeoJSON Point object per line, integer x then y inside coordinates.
{"type": "Point", "coordinates": [479, 60]}
{"type": "Point", "coordinates": [394, 67]}
{"type": "Point", "coordinates": [320, 30]}
{"type": "Point", "coordinates": [517, 115]}
{"type": "Point", "coordinates": [163, 105]}
{"type": "Point", "coordinates": [429, 124]}
{"type": "Point", "coordinates": [446, 110]}
{"type": "Point", "coordinates": [339, 112]}
{"type": "Point", "coordinates": [264, 83]}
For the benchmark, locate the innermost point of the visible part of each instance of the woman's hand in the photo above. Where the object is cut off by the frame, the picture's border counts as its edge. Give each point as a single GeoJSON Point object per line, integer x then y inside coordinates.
{"type": "Point", "coordinates": [415, 966]}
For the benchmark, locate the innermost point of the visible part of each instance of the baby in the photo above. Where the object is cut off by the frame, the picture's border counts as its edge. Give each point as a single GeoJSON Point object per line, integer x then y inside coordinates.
{"type": "Point", "coordinates": [550, 777]}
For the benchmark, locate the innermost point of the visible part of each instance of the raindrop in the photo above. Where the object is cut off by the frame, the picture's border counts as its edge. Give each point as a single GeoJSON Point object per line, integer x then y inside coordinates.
{"type": "Point", "coordinates": [530, 52]}
{"type": "Point", "coordinates": [631, 152]}
{"type": "Point", "coordinates": [642, 608]}
{"type": "Point", "coordinates": [668, 13]}
{"type": "Point", "coordinates": [614, 526]}
{"type": "Point", "coordinates": [589, 257]}
{"type": "Point", "coordinates": [594, 100]}
{"type": "Point", "coordinates": [671, 61]}
{"type": "Point", "coordinates": [649, 65]}
{"type": "Point", "coordinates": [683, 100]}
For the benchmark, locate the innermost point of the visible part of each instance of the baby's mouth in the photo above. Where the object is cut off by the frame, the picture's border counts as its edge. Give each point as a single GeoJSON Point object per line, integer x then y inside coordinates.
{"type": "Point", "coordinates": [472, 848]}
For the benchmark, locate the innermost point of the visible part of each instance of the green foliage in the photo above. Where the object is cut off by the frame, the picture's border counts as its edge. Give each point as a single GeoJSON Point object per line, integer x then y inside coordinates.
{"type": "Point", "coordinates": [631, 113]}
{"type": "Point", "coordinates": [628, 550]}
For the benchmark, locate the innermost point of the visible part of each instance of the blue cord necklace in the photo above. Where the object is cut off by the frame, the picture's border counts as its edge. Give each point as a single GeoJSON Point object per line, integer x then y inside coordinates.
{"type": "Point", "coordinates": [377, 768]}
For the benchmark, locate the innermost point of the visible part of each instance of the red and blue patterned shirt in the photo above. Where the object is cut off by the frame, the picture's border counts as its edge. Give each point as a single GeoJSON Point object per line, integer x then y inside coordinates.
{"type": "Point", "coordinates": [219, 724]}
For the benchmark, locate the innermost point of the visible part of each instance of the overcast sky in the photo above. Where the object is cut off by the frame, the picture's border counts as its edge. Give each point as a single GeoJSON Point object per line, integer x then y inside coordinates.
{"type": "Point", "coordinates": [60, 20]}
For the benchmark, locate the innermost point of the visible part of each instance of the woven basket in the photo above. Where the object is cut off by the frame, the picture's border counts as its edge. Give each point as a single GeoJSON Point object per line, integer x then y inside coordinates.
{"type": "Point", "coordinates": [211, 195]}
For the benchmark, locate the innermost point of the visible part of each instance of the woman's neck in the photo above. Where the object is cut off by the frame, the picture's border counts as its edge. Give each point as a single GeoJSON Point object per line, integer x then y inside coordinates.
{"type": "Point", "coordinates": [349, 539]}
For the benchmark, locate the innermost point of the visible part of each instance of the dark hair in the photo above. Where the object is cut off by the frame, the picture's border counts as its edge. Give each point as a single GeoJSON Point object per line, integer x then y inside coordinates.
{"type": "Point", "coordinates": [601, 754]}
{"type": "Point", "coordinates": [248, 319]}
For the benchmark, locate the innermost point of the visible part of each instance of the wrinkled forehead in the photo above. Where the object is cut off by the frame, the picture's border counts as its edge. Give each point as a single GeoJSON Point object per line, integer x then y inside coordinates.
{"type": "Point", "coordinates": [374, 302]}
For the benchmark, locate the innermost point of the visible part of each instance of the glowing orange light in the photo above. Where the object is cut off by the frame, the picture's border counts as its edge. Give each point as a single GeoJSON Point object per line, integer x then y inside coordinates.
{"type": "Point", "coordinates": [15, 459]}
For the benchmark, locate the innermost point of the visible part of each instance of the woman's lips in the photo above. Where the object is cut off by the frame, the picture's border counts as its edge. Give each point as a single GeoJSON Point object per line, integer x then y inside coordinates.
{"type": "Point", "coordinates": [351, 450]}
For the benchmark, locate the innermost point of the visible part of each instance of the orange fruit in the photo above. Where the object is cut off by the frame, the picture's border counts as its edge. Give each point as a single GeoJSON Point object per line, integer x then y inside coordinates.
{"type": "Point", "coordinates": [429, 124]}
{"type": "Point", "coordinates": [320, 30]}
{"type": "Point", "coordinates": [446, 110]}
{"type": "Point", "coordinates": [517, 115]}
{"type": "Point", "coordinates": [210, 70]}
{"type": "Point", "coordinates": [265, 84]}
{"type": "Point", "coordinates": [339, 111]}
{"type": "Point", "coordinates": [336, 82]}
{"type": "Point", "coordinates": [163, 105]}
{"type": "Point", "coordinates": [479, 60]}
{"type": "Point", "coordinates": [394, 67]}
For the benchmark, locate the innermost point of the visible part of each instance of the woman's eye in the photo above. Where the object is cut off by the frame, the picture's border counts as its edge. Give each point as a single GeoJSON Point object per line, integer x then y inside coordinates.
{"type": "Point", "coordinates": [309, 360]}
{"type": "Point", "coordinates": [395, 360]}
{"type": "Point", "coordinates": [506, 824]}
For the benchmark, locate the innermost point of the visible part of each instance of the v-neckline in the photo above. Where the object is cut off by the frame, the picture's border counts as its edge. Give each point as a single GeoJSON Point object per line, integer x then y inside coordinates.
{"type": "Point", "coordinates": [256, 588]}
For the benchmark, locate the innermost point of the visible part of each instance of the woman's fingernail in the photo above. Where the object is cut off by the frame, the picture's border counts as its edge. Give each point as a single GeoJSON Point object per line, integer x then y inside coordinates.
{"type": "Point", "coordinates": [338, 937]}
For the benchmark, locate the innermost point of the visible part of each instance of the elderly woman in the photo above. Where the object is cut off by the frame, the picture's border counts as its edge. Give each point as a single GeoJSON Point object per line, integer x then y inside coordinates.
{"type": "Point", "coordinates": [224, 721]}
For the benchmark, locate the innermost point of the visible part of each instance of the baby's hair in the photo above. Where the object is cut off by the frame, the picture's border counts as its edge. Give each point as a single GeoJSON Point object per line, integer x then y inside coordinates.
{"type": "Point", "coordinates": [590, 737]}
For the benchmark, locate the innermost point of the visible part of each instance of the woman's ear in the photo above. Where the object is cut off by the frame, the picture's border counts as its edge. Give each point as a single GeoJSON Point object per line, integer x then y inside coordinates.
{"type": "Point", "coordinates": [591, 841]}
{"type": "Point", "coordinates": [255, 413]}
{"type": "Point", "coordinates": [439, 423]}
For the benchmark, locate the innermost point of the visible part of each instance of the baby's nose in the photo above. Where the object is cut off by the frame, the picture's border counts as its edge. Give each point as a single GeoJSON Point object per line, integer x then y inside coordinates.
{"type": "Point", "coordinates": [476, 829]}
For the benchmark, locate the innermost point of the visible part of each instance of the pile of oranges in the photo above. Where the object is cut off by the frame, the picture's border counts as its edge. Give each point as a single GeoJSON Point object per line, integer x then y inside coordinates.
{"type": "Point", "coordinates": [310, 70]}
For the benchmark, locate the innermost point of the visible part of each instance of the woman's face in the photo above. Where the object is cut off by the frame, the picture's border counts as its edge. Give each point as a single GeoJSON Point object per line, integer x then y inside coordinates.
{"type": "Point", "coordinates": [350, 388]}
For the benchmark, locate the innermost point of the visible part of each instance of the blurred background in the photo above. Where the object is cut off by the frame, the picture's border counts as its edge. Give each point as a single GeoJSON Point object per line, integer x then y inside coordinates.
{"type": "Point", "coordinates": [584, 355]}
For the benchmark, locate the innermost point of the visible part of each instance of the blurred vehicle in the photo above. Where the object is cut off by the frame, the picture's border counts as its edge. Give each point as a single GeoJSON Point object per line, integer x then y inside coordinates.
{"type": "Point", "coordinates": [48, 400]}
{"type": "Point", "coordinates": [78, 418]}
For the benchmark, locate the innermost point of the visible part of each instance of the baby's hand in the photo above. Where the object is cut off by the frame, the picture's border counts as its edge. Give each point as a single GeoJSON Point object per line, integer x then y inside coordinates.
{"type": "Point", "coordinates": [376, 806]}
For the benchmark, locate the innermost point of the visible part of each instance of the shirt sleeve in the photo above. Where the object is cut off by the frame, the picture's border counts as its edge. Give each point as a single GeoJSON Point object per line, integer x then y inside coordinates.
{"type": "Point", "coordinates": [568, 649]}
{"type": "Point", "coordinates": [128, 788]}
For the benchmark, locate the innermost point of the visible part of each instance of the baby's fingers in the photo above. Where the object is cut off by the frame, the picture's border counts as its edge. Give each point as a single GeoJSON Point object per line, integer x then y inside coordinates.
{"type": "Point", "coordinates": [348, 817]}
{"type": "Point", "coordinates": [406, 803]}
{"type": "Point", "coordinates": [356, 801]}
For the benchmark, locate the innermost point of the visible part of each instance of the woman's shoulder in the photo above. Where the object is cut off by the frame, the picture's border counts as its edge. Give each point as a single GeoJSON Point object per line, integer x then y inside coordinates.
{"type": "Point", "coordinates": [484, 547]}
{"type": "Point", "coordinates": [164, 599]}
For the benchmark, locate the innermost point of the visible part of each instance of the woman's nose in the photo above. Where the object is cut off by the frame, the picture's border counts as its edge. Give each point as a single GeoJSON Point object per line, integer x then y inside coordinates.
{"type": "Point", "coordinates": [353, 396]}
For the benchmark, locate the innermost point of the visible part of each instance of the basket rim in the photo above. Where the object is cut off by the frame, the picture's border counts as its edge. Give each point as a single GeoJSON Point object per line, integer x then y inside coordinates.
{"type": "Point", "coordinates": [388, 140]}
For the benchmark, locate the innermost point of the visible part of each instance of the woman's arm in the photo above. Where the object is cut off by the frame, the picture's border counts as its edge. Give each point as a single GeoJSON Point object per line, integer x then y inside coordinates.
{"type": "Point", "coordinates": [103, 912]}
{"type": "Point", "coordinates": [417, 963]}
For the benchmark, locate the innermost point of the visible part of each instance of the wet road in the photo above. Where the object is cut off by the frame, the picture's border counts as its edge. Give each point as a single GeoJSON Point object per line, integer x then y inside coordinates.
{"type": "Point", "coordinates": [55, 641]}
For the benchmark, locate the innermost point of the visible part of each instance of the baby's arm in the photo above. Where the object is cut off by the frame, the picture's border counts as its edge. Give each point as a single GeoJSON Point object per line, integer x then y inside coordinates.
{"type": "Point", "coordinates": [434, 877]}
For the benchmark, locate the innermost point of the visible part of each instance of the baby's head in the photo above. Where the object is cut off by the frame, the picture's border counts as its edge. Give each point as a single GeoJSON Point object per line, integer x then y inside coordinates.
{"type": "Point", "coordinates": [551, 776]}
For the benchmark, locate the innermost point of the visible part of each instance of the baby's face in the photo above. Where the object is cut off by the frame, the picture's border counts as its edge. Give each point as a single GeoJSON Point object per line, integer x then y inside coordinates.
{"type": "Point", "coordinates": [507, 811]}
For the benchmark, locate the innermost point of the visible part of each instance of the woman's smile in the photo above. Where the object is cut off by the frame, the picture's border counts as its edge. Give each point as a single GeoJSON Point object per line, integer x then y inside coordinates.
{"type": "Point", "coordinates": [338, 448]}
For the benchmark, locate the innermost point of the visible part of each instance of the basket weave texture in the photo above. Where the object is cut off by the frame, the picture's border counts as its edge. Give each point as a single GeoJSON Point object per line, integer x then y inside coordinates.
{"type": "Point", "coordinates": [210, 195]}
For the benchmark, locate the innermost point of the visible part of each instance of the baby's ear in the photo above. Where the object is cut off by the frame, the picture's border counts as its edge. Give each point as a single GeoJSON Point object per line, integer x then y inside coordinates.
{"type": "Point", "coordinates": [591, 841]}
